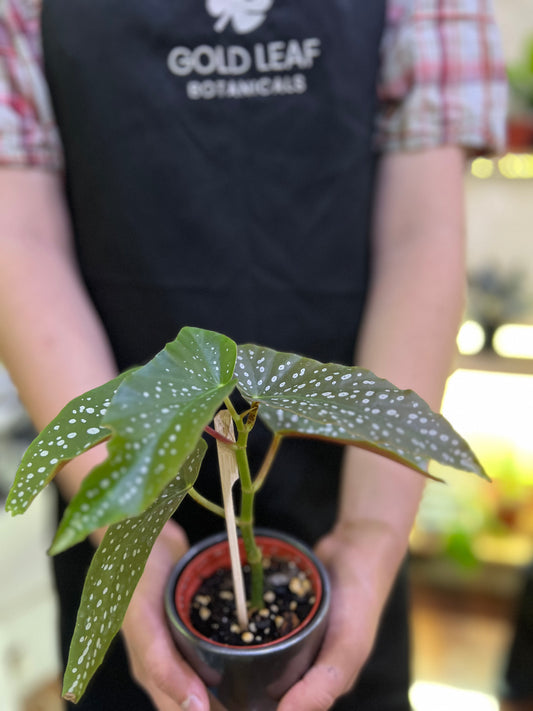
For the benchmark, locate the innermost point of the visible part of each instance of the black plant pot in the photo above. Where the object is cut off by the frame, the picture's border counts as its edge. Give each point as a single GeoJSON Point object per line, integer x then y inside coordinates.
{"type": "Point", "coordinates": [255, 677]}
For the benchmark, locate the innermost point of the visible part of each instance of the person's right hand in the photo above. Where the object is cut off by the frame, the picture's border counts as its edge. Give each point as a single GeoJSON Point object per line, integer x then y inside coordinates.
{"type": "Point", "coordinates": [154, 660]}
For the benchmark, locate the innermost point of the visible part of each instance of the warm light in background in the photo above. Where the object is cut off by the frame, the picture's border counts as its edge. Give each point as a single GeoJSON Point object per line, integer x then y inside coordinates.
{"type": "Point", "coordinates": [427, 696]}
{"type": "Point", "coordinates": [512, 166]}
{"type": "Point", "coordinates": [471, 338]}
{"type": "Point", "coordinates": [516, 165]}
{"type": "Point", "coordinates": [514, 341]}
{"type": "Point", "coordinates": [492, 411]}
{"type": "Point", "coordinates": [482, 168]}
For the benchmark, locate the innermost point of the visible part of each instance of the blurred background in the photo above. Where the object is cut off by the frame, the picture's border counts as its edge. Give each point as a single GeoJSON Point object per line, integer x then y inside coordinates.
{"type": "Point", "coordinates": [472, 547]}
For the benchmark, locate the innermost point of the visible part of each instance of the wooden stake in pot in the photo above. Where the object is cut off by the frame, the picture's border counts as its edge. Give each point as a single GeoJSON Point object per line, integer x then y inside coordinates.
{"type": "Point", "coordinates": [229, 473]}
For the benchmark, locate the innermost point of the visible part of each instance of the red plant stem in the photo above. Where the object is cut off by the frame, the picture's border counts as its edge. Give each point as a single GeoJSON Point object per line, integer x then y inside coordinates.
{"type": "Point", "coordinates": [210, 431]}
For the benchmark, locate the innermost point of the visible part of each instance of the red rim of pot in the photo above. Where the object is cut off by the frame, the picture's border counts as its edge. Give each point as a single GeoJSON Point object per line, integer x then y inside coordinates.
{"type": "Point", "coordinates": [217, 556]}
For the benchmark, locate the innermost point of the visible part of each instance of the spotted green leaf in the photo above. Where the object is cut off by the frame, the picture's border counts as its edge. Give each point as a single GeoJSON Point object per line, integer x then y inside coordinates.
{"type": "Point", "coordinates": [303, 397]}
{"type": "Point", "coordinates": [77, 428]}
{"type": "Point", "coordinates": [113, 575]}
{"type": "Point", "coordinates": [157, 417]}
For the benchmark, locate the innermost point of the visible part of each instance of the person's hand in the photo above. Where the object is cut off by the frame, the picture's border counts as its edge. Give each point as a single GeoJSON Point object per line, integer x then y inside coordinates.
{"type": "Point", "coordinates": [360, 585]}
{"type": "Point", "coordinates": [154, 660]}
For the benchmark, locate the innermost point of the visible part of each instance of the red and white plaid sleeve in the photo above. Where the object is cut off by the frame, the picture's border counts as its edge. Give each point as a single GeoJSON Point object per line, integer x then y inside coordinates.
{"type": "Point", "coordinates": [442, 81]}
{"type": "Point", "coordinates": [28, 135]}
{"type": "Point", "coordinates": [442, 77]}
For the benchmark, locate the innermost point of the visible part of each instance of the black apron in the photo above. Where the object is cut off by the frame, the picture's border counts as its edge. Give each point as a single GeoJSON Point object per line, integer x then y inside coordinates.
{"type": "Point", "coordinates": [220, 172]}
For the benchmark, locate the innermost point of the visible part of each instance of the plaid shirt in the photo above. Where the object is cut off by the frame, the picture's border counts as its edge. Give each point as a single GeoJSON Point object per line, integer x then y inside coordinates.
{"type": "Point", "coordinates": [442, 81]}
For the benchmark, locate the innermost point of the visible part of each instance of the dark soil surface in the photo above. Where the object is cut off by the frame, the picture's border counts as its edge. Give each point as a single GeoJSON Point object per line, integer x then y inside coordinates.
{"type": "Point", "coordinates": [288, 599]}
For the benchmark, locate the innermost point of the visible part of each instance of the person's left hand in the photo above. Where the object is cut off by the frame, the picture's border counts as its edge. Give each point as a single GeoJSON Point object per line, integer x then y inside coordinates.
{"type": "Point", "coordinates": [154, 660]}
{"type": "Point", "coordinates": [360, 585]}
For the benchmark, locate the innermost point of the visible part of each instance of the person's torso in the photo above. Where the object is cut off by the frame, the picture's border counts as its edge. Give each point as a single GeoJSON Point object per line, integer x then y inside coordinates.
{"type": "Point", "coordinates": [220, 172]}
{"type": "Point", "coordinates": [219, 161]}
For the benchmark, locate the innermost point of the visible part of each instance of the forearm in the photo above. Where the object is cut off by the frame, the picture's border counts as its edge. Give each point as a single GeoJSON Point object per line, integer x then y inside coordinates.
{"type": "Point", "coordinates": [51, 339]}
{"type": "Point", "coordinates": [417, 289]}
{"type": "Point", "coordinates": [55, 348]}
{"type": "Point", "coordinates": [408, 334]}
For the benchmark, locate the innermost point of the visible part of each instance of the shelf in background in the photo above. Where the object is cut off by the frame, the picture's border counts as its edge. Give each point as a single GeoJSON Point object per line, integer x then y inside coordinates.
{"type": "Point", "coordinates": [491, 362]}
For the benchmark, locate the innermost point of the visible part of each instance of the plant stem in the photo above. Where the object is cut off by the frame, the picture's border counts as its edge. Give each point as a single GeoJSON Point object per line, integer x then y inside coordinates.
{"type": "Point", "coordinates": [255, 561]}
{"type": "Point", "coordinates": [253, 552]}
{"type": "Point", "coordinates": [267, 462]}
{"type": "Point", "coordinates": [219, 437]}
{"type": "Point", "coordinates": [235, 415]}
{"type": "Point", "coordinates": [248, 491]}
{"type": "Point", "coordinates": [206, 503]}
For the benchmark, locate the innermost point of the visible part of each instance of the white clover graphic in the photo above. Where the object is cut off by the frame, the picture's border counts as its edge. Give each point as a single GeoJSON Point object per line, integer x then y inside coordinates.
{"type": "Point", "coordinates": [244, 15]}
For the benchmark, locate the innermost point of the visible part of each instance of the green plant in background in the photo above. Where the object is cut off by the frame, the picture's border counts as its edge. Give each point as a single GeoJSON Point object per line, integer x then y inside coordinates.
{"type": "Point", "coordinates": [469, 523]}
{"type": "Point", "coordinates": [154, 419]}
{"type": "Point", "coordinates": [520, 75]}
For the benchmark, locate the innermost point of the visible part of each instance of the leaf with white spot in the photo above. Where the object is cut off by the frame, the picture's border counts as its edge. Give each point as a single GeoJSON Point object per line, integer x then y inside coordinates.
{"type": "Point", "coordinates": [77, 428]}
{"type": "Point", "coordinates": [350, 405]}
{"type": "Point", "coordinates": [113, 575]}
{"type": "Point", "coordinates": [157, 417]}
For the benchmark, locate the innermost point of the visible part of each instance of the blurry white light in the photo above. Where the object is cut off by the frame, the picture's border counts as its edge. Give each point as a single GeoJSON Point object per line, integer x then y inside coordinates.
{"type": "Point", "coordinates": [514, 341]}
{"type": "Point", "coordinates": [471, 338]}
{"type": "Point", "coordinates": [489, 403]}
{"type": "Point", "coordinates": [492, 407]}
{"type": "Point", "coordinates": [428, 696]}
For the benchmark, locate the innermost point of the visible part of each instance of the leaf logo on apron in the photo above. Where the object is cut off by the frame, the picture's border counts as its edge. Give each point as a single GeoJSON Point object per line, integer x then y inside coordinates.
{"type": "Point", "coordinates": [250, 68]}
{"type": "Point", "coordinates": [244, 15]}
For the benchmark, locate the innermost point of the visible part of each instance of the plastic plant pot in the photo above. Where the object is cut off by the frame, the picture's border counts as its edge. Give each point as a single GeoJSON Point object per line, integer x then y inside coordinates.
{"type": "Point", "coordinates": [256, 676]}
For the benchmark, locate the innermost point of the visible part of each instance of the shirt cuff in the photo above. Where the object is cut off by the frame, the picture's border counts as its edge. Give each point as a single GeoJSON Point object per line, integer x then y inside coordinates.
{"type": "Point", "coordinates": [474, 118]}
{"type": "Point", "coordinates": [34, 145]}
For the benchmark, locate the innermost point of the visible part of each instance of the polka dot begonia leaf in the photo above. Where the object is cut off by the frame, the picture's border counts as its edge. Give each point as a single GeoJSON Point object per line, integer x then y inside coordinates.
{"type": "Point", "coordinates": [77, 428]}
{"type": "Point", "coordinates": [298, 396]}
{"type": "Point", "coordinates": [157, 417]}
{"type": "Point", "coordinates": [113, 575]}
